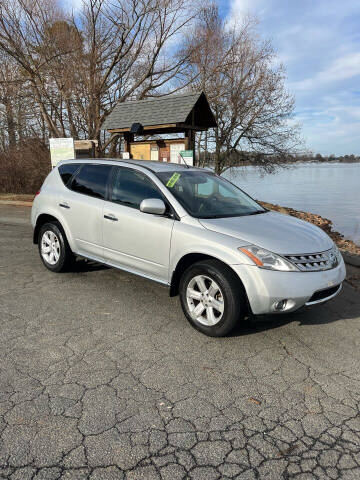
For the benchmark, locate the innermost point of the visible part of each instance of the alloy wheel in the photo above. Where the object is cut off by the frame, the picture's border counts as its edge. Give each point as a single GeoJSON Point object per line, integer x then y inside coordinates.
{"type": "Point", "coordinates": [50, 247]}
{"type": "Point", "coordinates": [205, 300]}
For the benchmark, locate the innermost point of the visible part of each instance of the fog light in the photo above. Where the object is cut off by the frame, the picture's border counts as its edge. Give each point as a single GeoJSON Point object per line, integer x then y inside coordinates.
{"type": "Point", "coordinates": [280, 305]}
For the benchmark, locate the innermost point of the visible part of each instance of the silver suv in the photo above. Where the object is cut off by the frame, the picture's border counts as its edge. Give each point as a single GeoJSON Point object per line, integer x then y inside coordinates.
{"type": "Point", "coordinates": [225, 255]}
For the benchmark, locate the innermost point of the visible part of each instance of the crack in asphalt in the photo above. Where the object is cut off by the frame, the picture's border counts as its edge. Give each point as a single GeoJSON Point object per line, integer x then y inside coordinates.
{"type": "Point", "coordinates": [101, 377]}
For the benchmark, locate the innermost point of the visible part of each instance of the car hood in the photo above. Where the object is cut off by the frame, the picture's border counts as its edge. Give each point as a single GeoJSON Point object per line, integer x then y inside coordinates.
{"type": "Point", "coordinates": [273, 231]}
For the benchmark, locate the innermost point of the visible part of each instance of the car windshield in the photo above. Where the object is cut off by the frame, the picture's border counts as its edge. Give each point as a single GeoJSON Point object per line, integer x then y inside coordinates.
{"type": "Point", "coordinates": [206, 195]}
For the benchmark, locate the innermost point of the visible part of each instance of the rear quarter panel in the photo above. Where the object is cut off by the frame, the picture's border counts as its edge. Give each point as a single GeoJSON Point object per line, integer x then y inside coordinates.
{"type": "Point", "coordinates": [47, 202]}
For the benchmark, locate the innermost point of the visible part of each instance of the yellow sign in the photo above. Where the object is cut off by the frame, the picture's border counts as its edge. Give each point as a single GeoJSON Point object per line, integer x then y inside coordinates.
{"type": "Point", "coordinates": [173, 179]}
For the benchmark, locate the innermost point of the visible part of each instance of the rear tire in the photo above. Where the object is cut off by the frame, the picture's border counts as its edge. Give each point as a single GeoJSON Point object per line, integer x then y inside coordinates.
{"type": "Point", "coordinates": [212, 297]}
{"type": "Point", "coordinates": [54, 248]}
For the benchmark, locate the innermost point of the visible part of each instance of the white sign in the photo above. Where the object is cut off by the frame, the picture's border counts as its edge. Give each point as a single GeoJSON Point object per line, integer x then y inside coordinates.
{"type": "Point", "coordinates": [126, 155]}
{"type": "Point", "coordinates": [187, 156]}
{"type": "Point", "coordinates": [175, 148]}
{"type": "Point", "coordinates": [61, 149]}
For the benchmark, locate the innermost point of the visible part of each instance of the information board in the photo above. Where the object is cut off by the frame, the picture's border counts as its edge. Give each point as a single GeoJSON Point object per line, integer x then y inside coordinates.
{"type": "Point", "coordinates": [61, 149]}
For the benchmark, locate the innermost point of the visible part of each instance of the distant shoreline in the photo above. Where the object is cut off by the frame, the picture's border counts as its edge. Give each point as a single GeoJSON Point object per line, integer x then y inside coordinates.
{"type": "Point", "coordinates": [247, 163]}
{"type": "Point", "coordinates": [323, 161]}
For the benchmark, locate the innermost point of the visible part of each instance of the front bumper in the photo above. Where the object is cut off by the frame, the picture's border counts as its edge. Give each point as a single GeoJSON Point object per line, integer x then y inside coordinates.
{"type": "Point", "coordinates": [265, 288]}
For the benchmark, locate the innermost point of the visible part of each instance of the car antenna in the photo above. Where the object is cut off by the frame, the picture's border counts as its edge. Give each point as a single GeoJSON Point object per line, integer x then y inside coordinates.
{"type": "Point", "coordinates": [187, 166]}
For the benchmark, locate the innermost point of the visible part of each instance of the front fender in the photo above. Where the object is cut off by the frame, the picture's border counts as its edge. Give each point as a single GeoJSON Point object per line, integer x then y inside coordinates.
{"type": "Point", "coordinates": [189, 239]}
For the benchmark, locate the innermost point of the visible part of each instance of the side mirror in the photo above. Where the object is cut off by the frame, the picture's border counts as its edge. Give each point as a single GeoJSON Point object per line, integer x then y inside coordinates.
{"type": "Point", "coordinates": [153, 205]}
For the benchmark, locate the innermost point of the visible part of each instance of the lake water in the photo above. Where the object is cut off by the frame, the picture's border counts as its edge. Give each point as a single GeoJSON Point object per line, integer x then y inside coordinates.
{"type": "Point", "coordinates": [331, 190]}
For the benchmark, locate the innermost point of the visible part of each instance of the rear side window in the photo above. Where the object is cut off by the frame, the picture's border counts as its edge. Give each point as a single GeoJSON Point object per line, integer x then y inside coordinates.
{"type": "Point", "coordinates": [66, 171]}
{"type": "Point", "coordinates": [92, 180]}
{"type": "Point", "coordinates": [131, 187]}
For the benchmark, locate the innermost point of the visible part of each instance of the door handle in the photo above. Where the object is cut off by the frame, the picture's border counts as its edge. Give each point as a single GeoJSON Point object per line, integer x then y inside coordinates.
{"type": "Point", "coordinates": [64, 205]}
{"type": "Point", "coordinates": [110, 216]}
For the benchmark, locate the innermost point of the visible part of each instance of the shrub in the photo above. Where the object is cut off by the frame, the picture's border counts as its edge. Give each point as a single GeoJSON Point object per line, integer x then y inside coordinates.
{"type": "Point", "coordinates": [24, 168]}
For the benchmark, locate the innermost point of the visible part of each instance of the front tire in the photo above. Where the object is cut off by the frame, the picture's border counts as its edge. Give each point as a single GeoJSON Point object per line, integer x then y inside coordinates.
{"type": "Point", "coordinates": [212, 297]}
{"type": "Point", "coordinates": [54, 249]}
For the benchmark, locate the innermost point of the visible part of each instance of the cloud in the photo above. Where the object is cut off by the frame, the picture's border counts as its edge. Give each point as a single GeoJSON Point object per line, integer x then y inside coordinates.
{"type": "Point", "coordinates": [72, 5]}
{"type": "Point", "coordinates": [249, 6]}
{"type": "Point", "coordinates": [319, 43]}
{"type": "Point", "coordinates": [343, 68]}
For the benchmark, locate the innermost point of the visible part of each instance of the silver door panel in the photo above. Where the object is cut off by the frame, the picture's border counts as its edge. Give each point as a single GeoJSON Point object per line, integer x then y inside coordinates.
{"type": "Point", "coordinates": [137, 240]}
{"type": "Point", "coordinates": [84, 218]}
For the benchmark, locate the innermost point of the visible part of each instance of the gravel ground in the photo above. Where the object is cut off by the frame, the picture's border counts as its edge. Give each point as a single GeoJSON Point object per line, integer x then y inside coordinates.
{"type": "Point", "coordinates": [101, 377]}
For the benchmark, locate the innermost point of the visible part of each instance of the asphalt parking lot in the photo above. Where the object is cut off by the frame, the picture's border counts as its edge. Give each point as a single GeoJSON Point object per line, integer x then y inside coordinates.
{"type": "Point", "coordinates": [101, 377]}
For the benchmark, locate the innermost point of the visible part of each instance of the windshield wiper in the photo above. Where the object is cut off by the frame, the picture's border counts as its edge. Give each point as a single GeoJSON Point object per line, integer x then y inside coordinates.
{"type": "Point", "coordinates": [224, 215]}
{"type": "Point", "coordinates": [258, 212]}
{"type": "Point", "coordinates": [229, 215]}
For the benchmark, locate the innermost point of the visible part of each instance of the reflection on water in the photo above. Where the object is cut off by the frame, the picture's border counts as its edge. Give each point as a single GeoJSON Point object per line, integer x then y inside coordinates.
{"type": "Point", "coordinates": [331, 190]}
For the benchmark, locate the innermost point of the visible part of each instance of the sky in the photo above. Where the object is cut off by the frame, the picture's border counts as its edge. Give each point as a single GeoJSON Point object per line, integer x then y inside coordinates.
{"type": "Point", "coordinates": [318, 41]}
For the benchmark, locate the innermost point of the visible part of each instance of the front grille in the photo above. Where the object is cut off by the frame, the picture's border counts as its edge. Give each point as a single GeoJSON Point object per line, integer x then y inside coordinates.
{"type": "Point", "coordinates": [323, 294]}
{"type": "Point", "coordinates": [315, 261]}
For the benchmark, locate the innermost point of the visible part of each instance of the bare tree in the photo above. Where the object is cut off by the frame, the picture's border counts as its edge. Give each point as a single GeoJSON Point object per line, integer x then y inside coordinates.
{"type": "Point", "coordinates": [246, 90]}
{"type": "Point", "coordinates": [19, 115]}
{"type": "Point", "coordinates": [71, 70]}
{"type": "Point", "coordinates": [8, 92]}
{"type": "Point", "coordinates": [112, 50]}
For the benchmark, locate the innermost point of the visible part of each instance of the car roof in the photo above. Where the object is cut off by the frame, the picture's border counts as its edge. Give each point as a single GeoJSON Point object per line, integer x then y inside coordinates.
{"type": "Point", "coordinates": [148, 164]}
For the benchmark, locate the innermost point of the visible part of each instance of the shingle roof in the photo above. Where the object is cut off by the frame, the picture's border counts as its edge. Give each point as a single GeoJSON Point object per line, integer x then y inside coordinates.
{"type": "Point", "coordinates": [156, 111]}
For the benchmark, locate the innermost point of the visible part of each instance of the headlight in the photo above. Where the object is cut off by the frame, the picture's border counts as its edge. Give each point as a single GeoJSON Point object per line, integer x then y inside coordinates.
{"type": "Point", "coordinates": [337, 253]}
{"type": "Point", "coordinates": [269, 260]}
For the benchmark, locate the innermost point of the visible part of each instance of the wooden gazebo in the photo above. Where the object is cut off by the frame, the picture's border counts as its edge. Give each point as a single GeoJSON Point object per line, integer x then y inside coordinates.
{"type": "Point", "coordinates": [186, 113]}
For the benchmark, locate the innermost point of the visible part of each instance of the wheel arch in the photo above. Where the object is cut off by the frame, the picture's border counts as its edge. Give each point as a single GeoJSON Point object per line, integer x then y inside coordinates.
{"type": "Point", "coordinates": [41, 220]}
{"type": "Point", "coordinates": [191, 258]}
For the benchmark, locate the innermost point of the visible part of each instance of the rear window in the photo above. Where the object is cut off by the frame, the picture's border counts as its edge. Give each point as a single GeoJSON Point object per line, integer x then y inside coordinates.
{"type": "Point", "coordinates": [67, 171]}
{"type": "Point", "coordinates": [92, 180]}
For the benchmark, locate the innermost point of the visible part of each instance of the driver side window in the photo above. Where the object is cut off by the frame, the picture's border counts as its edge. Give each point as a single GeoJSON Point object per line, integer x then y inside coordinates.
{"type": "Point", "coordinates": [131, 187]}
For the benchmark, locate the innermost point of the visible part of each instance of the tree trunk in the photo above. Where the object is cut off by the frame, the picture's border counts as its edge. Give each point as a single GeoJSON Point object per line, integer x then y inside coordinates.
{"type": "Point", "coordinates": [217, 165]}
{"type": "Point", "coordinates": [10, 123]}
{"type": "Point", "coordinates": [113, 147]}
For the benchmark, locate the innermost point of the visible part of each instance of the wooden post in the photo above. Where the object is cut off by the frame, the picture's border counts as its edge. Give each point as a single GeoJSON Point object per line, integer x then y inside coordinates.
{"type": "Point", "coordinates": [190, 142]}
{"type": "Point", "coordinates": [128, 138]}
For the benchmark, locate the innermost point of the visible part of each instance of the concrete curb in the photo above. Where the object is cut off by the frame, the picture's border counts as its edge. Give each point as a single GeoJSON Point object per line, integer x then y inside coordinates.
{"type": "Point", "coordinates": [16, 203]}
